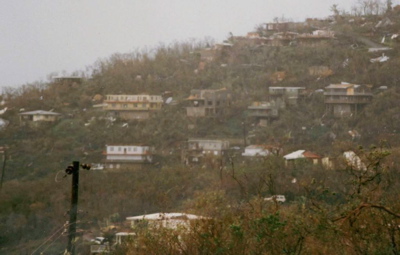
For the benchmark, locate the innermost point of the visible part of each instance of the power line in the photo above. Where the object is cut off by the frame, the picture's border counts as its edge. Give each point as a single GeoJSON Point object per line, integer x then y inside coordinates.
{"type": "Point", "coordinates": [61, 234]}
{"type": "Point", "coordinates": [58, 230]}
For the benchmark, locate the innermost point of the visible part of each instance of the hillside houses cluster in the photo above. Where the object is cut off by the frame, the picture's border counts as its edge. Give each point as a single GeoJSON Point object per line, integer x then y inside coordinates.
{"type": "Point", "coordinates": [341, 100]}
{"type": "Point", "coordinates": [275, 34]}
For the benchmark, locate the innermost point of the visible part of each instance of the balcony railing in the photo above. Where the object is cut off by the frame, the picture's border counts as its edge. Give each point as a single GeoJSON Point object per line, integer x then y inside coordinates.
{"type": "Point", "coordinates": [347, 101]}
{"type": "Point", "coordinates": [330, 93]}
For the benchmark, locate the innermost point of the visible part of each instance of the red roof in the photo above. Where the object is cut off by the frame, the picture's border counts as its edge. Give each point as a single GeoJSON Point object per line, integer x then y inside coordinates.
{"type": "Point", "coordinates": [308, 154]}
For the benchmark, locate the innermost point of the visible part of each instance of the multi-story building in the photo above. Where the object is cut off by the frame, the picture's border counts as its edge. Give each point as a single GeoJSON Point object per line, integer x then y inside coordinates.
{"type": "Point", "coordinates": [132, 107]}
{"type": "Point", "coordinates": [121, 156]}
{"type": "Point", "coordinates": [286, 95]}
{"type": "Point", "coordinates": [346, 99]}
{"type": "Point", "coordinates": [198, 150]}
{"type": "Point", "coordinates": [208, 102]}
{"type": "Point", "coordinates": [263, 112]}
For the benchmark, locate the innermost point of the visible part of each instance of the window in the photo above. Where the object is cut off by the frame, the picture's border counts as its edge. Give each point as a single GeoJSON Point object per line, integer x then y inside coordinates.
{"type": "Point", "coordinates": [119, 149]}
{"type": "Point", "coordinates": [111, 148]}
{"type": "Point", "coordinates": [209, 102]}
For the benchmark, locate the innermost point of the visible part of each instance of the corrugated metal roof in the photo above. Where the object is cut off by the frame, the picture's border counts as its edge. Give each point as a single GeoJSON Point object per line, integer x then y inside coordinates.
{"type": "Point", "coordinates": [301, 154]}
{"type": "Point", "coordinates": [294, 155]}
{"type": "Point", "coordinates": [308, 154]}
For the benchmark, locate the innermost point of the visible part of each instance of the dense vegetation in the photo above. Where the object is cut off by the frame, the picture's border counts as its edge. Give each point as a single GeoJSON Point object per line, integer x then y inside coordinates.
{"type": "Point", "coordinates": [340, 211]}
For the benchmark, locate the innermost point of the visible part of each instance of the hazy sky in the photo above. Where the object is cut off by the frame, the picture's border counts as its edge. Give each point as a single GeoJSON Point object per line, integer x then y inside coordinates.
{"type": "Point", "coordinates": [38, 37]}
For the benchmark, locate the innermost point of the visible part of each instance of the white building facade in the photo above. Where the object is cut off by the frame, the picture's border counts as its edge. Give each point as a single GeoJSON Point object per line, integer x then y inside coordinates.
{"type": "Point", "coordinates": [118, 156]}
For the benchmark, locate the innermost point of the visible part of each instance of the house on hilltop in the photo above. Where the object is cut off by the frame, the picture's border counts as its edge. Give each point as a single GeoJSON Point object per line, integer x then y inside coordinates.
{"type": "Point", "coordinates": [346, 99]}
{"type": "Point", "coordinates": [219, 50]}
{"type": "Point", "coordinates": [316, 38]}
{"type": "Point", "coordinates": [70, 81]}
{"type": "Point", "coordinates": [282, 39]}
{"type": "Point", "coordinates": [282, 26]}
{"type": "Point", "coordinates": [132, 107]}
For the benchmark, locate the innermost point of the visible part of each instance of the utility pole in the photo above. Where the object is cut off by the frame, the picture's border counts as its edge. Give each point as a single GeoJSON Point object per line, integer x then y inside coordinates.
{"type": "Point", "coordinates": [73, 212]}
{"type": "Point", "coordinates": [74, 170]}
{"type": "Point", "coordinates": [4, 167]}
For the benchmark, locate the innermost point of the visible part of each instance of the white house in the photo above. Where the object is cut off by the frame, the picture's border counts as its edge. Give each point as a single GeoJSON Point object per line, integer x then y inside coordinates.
{"type": "Point", "coordinates": [166, 220]}
{"type": "Point", "coordinates": [260, 150]}
{"type": "Point", "coordinates": [39, 116]}
{"type": "Point", "coordinates": [119, 155]}
{"type": "Point", "coordinates": [302, 154]}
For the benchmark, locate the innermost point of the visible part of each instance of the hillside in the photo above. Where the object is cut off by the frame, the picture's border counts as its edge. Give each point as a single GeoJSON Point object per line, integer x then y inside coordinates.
{"type": "Point", "coordinates": [329, 211]}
